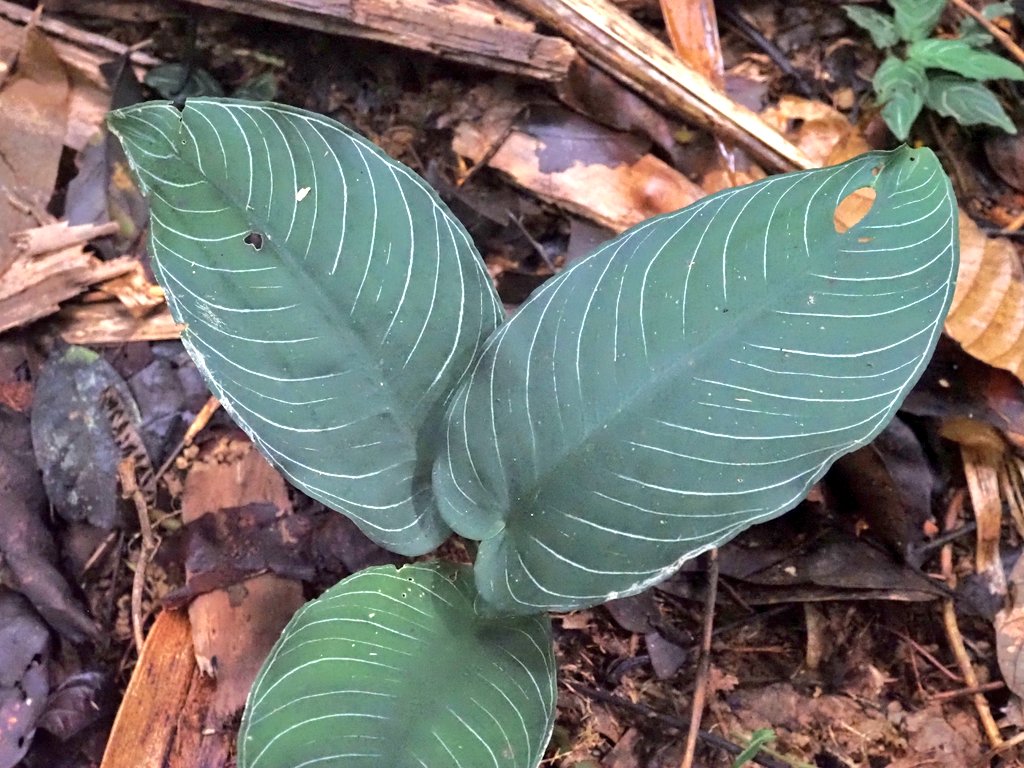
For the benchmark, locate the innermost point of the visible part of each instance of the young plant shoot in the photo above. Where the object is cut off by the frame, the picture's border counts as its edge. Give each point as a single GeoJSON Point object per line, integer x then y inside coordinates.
{"type": "Point", "coordinates": [694, 376]}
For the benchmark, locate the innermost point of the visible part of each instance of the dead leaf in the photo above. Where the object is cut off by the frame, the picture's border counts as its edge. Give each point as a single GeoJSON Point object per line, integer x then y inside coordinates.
{"type": "Point", "coordinates": [28, 550]}
{"type": "Point", "coordinates": [666, 656]}
{"type": "Point", "coordinates": [887, 485]}
{"type": "Point", "coordinates": [24, 656]}
{"type": "Point", "coordinates": [822, 132]}
{"type": "Point", "coordinates": [580, 166]}
{"type": "Point", "coordinates": [1009, 626]}
{"type": "Point", "coordinates": [33, 120]}
{"type": "Point", "coordinates": [72, 436]}
{"type": "Point", "coordinates": [987, 314]}
{"type": "Point", "coordinates": [1005, 154]}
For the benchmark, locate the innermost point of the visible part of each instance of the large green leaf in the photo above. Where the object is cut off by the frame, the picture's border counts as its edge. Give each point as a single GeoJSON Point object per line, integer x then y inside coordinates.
{"type": "Point", "coordinates": [694, 376]}
{"type": "Point", "coordinates": [395, 668]}
{"type": "Point", "coordinates": [331, 300]}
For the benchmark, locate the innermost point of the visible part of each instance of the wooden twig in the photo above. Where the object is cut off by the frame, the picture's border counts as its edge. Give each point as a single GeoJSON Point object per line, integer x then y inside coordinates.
{"type": "Point", "coordinates": [704, 664]}
{"type": "Point", "coordinates": [470, 31]}
{"type": "Point", "coordinates": [1004, 39]}
{"type": "Point", "coordinates": [995, 685]}
{"type": "Point", "coordinates": [130, 490]}
{"type": "Point", "coordinates": [711, 739]}
{"type": "Point", "coordinates": [198, 424]}
{"type": "Point", "coordinates": [79, 36]}
{"type": "Point", "coordinates": [619, 45]}
{"type": "Point", "coordinates": [955, 638]}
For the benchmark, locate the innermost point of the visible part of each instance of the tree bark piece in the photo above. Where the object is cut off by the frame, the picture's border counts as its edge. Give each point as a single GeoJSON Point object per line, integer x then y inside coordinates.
{"type": "Point", "coordinates": [146, 724]}
{"type": "Point", "coordinates": [110, 323]}
{"type": "Point", "coordinates": [619, 45]}
{"type": "Point", "coordinates": [470, 31]}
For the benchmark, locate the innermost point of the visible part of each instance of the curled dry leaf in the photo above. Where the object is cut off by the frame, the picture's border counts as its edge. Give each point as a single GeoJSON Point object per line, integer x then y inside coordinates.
{"type": "Point", "coordinates": [987, 314]}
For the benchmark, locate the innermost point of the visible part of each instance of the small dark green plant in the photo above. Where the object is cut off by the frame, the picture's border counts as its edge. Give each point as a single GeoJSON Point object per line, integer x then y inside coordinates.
{"type": "Point", "coordinates": [692, 377]}
{"type": "Point", "coordinates": [945, 75]}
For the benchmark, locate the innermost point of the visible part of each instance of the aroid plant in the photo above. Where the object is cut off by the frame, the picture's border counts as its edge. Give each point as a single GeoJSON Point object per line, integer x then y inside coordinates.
{"type": "Point", "coordinates": [694, 376]}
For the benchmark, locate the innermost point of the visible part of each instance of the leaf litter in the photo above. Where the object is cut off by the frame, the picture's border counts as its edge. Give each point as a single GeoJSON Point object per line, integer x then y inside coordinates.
{"type": "Point", "coordinates": [847, 582]}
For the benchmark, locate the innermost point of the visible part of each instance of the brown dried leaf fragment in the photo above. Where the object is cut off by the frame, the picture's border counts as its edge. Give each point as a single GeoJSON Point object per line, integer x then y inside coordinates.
{"type": "Point", "coordinates": [987, 314]}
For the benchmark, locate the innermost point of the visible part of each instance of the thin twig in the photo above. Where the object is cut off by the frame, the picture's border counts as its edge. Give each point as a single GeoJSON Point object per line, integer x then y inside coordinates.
{"type": "Point", "coordinates": [672, 721]}
{"type": "Point", "coordinates": [198, 424]}
{"type": "Point", "coordinates": [704, 665]}
{"type": "Point", "coordinates": [130, 490]}
{"type": "Point", "coordinates": [1006, 41]}
{"type": "Point", "coordinates": [80, 36]}
{"type": "Point", "coordinates": [955, 638]}
{"type": "Point", "coordinates": [995, 685]}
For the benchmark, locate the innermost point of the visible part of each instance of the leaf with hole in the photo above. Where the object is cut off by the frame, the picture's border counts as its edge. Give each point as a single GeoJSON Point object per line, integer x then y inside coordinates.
{"type": "Point", "coordinates": [395, 668]}
{"type": "Point", "coordinates": [694, 376]}
{"type": "Point", "coordinates": [959, 57]}
{"type": "Point", "coordinates": [330, 299]}
{"type": "Point", "coordinates": [967, 101]}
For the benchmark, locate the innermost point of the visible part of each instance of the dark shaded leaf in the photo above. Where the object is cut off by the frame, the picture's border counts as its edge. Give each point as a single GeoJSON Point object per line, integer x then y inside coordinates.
{"type": "Point", "coordinates": [24, 654]}
{"type": "Point", "coordinates": [72, 436]}
{"type": "Point", "coordinates": [888, 484]}
{"type": "Point", "coordinates": [74, 705]}
{"type": "Point", "coordinates": [29, 554]}
{"type": "Point", "coordinates": [174, 81]}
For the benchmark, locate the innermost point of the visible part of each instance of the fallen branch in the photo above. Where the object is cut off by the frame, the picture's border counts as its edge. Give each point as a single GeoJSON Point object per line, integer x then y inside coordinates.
{"type": "Point", "coordinates": [619, 45]}
{"type": "Point", "coordinates": [470, 31]}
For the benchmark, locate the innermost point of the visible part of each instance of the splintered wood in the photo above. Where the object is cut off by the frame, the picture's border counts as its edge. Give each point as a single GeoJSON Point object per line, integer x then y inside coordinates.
{"type": "Point", "coordinates": [471, 31]}
{"type": "Point", "coordinates": [34, 287]}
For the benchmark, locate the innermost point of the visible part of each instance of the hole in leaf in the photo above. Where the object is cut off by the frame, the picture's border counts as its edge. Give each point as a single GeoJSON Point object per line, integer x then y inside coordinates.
{"type": "Point", "coordinates": [853, 208]}
{"type": "Point", "coordinates": [255, 239]}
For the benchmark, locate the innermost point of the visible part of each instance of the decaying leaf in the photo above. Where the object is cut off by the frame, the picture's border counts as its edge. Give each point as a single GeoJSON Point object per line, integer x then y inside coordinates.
{"type": "Point", "coordinates": [1009, 625]}
{"type": "Point", "coordinates": [987, 314]}
{"type": "Point", "coordinates": [29, 555]}
{"type": "Point", "coordinates": [586, 169]}
{"type": "Point", "coordinates": [24, 655]}
{"type": "Point", "coordinates": [33, 119]}
{"type": "Point", "coordinates": [72, 436]}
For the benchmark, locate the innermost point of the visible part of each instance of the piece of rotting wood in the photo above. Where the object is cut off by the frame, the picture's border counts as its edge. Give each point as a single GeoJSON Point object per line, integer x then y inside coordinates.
{"type": "Point", "coordinates": [469, 31]}
{"type": "Point", "coordinates": [146, 725]}
{"type": "Point", "coordinates": [619, 45]}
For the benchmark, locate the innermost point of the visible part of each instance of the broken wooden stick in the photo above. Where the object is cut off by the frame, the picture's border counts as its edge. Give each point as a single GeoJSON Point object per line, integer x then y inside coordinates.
{"type": "Point", "coordinates": [619, 45]}
{"type": "Point", "coordinates": [470, 31]}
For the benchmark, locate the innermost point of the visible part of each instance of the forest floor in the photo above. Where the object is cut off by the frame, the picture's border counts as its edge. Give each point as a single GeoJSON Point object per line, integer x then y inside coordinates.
{"type": "Point", "coordinates": [876, 624]}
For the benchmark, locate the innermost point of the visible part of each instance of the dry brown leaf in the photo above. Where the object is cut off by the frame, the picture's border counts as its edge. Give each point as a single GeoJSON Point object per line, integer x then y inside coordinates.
{"type": "Point", "coordinates": [33, 119]}
{"type": "Point", "coordinates": [987, 314]}
{"type": "Point", "coordinates": [616, 193]}
{"type": "Point", "coordinates": [822, 133]}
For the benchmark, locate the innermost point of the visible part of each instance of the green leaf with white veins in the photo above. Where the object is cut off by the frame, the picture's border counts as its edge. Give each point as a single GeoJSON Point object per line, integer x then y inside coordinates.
{"type": "Point", "coordinates": [959, 57]}
{"type": "Point", "coordinates": [879, 25]}
{"type": "Point", "coordinates": [968, 102]}
{"type": "Point", "coordinates": [694, 376]}
{"type": "Point", "coordinates": [900, 86]}
{"type": "Point", "coordinates": [395, 669]}
{"type": "Point", "coordinates": [915, 19]}
{"type": "Point", "coordinates": [331, 300]}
